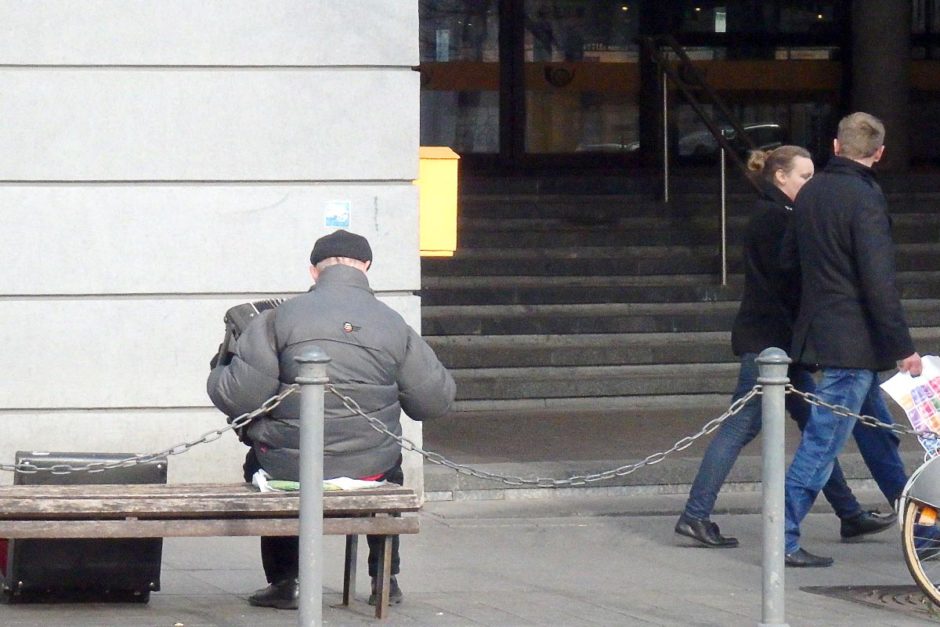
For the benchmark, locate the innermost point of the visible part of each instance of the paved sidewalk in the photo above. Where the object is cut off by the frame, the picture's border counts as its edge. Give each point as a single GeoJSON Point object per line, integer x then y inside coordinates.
{"type": "Point", "coordinates": [571, 561]}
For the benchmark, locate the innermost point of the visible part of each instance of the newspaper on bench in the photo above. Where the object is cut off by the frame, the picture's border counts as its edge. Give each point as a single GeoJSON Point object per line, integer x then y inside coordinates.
{"type": "Point", "coordinates": [265, 483]}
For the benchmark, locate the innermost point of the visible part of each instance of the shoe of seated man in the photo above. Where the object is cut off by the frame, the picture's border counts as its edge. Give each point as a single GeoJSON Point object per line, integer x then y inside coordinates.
{"type": "Point", "coordinates": [282, 595]}
{"type": "Point", "coordinates": [704, 531]}
{"type": "Point", "coordinates": [866, 524]}
{"type": "Point", "coordinates": [394, 592]}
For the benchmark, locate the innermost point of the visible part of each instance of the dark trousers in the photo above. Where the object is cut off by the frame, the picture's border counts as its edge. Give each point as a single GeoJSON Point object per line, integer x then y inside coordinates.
{"type": "Point", "coordinates": [279, 554]}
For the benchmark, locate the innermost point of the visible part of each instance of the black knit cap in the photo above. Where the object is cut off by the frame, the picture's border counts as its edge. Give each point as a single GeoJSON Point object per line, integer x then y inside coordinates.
{"type": "Point", "coordinates": [341, 244]}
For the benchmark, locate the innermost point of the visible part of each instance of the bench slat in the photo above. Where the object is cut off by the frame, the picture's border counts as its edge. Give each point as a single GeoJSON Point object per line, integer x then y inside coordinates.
{"type": "Point", "coordinates": [202, 527]}
{"type": "Point", "coordinates": [143, 490]}
{"type": "Point", "coordinates": [183, 500]}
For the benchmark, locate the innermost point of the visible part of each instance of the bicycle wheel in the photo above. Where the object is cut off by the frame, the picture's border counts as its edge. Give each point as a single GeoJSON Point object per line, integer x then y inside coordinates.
{"type": "Point", "coordinates": [920, 542]}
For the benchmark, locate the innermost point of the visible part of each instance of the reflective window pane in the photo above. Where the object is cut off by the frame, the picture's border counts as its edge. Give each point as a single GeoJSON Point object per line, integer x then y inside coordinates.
{"type": "Point", "coordinates": [459, 45]}
{"type": "Point", "coordinates": [581, 76]}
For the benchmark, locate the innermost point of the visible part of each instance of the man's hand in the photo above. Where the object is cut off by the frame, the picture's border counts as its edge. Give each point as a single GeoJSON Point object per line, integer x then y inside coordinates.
{"type": "Point", "coordinates": [911, 364]}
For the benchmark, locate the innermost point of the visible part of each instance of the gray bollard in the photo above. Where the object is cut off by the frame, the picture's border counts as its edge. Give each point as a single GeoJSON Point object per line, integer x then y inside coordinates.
{"type": "Point", "coordinates": [312, 378]}
{"type": "Point", "coordinates": [773, 364]}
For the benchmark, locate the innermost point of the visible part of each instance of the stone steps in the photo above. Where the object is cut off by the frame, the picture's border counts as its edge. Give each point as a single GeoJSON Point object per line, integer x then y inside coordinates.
{"type": "Point", "coordinates": [500, 384]}
{"type": "Point", "coordinates": [623, 260]}
{"type": "Point", "coordinates": [588, 318]}
{"type": "Point", "coordinates": [466, 352]}
{"type": "Point", "coordinates": [616, 368]}
{"type": "Point", "coordinates": [545, 290]}
{"type": "Point", "coordinates": [698, 232]}
{"type": "Point", "coordinates": [608, 298]}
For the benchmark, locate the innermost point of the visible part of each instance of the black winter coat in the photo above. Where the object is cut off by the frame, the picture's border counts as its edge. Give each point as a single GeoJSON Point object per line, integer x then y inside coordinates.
{"type": "Point", "coordinates": [771, 293]}
{"type": "Point", "coordinates": [850, 314]}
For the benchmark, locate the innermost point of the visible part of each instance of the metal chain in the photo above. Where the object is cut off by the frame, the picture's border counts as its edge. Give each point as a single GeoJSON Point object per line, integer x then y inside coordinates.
{"type": "Point", "coordinates": [547, 482]}
{"type": "Point", "coordinates": [238, 422]}
{"type": "Point", "coordinates": [437, 458]}
{"type": "Point", "coordinates": [869, 421]}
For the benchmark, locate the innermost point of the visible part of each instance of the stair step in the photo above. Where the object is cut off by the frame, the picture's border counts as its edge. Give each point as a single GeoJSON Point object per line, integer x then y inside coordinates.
{"type": "Point", "coordinates": [655, 261]}
{"type": "Point", "coordinates": [480, 351]}
{"type": "Point", "coordinates": [558, 294]}
{"type": "Point", "coordinates": [594, 381]}
{"type": "Point", "coordinates": [578, 319]}
{"type": "Point", "coordinates": [538, 290]}
{"type": "Point", "coordinates": [598, 349]}
{"type": "Point", "coordinates": [624, 260]}
{"type": "Point", "coordinates": [913, 230]}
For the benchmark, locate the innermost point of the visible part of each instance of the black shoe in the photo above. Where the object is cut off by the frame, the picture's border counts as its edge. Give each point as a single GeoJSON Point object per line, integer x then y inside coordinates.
{"type": "Point", "coordinates": [804, 559]}
{"type": "Point", "coordinates": [394, 592]}
{"type": "Point", "coordinates": [866, 524]}
{"type": "Point", "coordinates": [705, 531]}
{"type": "Point", "coordinates": [283, 595]}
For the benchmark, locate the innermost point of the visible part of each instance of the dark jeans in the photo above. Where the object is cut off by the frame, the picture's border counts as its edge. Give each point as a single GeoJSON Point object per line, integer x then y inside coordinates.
{"type": "Point", "coordinates": [878, 447]}
{"type": "Point", "coordinates": [825, 436]}
{"type": "Point", "coordinates": [279, 554]}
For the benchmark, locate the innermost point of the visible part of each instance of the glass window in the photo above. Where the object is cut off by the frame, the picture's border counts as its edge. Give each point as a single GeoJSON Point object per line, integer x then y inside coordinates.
{"type": "Point", "coordinates": [581, 76]}
{"type": "Point", "coordinates": [757, 16]}
{"type": "Point", "coordinates": [918, 16]}
{"type": "Point", "coordinates": [459, 30]}
{"type": "Point", "coordinates": [581, 30]}
{"type": "Point", "coordinates": [459, 44]}
{"type": "Point", "coordinates": [806, 17]}
{"type": "Point", "coordinates": [768, 125]}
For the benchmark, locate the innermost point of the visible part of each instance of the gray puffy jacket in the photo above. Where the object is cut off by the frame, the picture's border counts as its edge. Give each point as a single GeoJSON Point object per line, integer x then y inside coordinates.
{"type": "Point", "coordinates": [376, 359]}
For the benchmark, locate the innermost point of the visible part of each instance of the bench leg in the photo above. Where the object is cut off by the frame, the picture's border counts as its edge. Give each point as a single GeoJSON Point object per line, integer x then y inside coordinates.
{"type": "Point", "coordinates": [349, 569]}
{"type": "Point", "coordinates": [384, 578]}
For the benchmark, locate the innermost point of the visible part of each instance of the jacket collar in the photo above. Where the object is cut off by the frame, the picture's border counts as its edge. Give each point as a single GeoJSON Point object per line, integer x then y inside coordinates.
{"type": "Point", "coordinates": [773, 194]}
{"type": "Point", "coordinates": [841, 165]}
{"type": "Point", "coordinates": [343, 275]}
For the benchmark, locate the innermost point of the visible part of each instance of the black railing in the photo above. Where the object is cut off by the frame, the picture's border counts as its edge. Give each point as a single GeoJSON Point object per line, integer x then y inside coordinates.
{"type": "Point", "coordinates": [675, 65]}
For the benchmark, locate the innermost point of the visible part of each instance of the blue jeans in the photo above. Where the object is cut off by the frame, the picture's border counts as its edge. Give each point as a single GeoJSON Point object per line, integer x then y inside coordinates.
{"type": "Point", "coordinates": [824, 437]}
{"type": "Point", "coordinates": [738, 430]}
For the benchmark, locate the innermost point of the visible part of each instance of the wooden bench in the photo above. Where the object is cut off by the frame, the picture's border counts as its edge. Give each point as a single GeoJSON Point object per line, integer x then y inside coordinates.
{"type": "Point", "coordinates": [162, 511]}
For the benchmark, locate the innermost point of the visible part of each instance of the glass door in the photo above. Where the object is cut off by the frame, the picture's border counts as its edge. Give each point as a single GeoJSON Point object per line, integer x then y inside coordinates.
{"type": "Point", "coordinates": [516, 79]}
{"type": "Point", "coordinates": [460, 75]}
{"type": "Point", "coordinates": [581, 76]}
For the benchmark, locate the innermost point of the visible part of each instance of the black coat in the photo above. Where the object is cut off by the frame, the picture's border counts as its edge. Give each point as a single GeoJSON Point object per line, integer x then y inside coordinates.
{"type": "Point", "coordinates": [771, 293]}
{"type": "Point", "coordinates": [850, 314]}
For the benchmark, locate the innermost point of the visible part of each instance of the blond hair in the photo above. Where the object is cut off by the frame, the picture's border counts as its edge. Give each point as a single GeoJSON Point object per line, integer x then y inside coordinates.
{"type": "Point", "coordinates": [860, 135]}
{"type": "Point", "coordinates": [763, 164]}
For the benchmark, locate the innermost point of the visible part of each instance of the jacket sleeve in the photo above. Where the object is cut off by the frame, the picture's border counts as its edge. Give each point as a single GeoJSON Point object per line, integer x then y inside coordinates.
{"type": "Point", "coordinates": [426, 389]}
{"type": "Point", "coordinates": [874, 254]}
{"type": "Point", "coordinates": [252, 377]}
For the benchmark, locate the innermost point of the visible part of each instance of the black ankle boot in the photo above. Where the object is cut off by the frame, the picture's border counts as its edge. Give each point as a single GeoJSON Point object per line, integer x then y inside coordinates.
{"type": "Point", "coordinates": [282, 595]}
{"type": "Point", "coordinates": [394, 592]}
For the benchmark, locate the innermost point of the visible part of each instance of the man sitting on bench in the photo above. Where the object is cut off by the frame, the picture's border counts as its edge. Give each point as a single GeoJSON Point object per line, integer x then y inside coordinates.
{"type": "Point", "coordinates": [376, 359]}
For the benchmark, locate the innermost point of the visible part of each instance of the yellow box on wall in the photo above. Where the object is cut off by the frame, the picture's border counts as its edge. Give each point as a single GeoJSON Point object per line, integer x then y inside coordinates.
{"type": "Point", "coordinates": [437, 181]}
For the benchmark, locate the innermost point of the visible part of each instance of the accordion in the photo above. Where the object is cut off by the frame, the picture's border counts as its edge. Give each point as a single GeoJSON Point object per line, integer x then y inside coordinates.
{"type": "Point", "coordinates": [236, 321]}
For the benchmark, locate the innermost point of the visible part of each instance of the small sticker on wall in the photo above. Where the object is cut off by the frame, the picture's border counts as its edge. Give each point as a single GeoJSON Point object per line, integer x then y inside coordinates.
{"type": "Point", "coordinates": [337, 214]}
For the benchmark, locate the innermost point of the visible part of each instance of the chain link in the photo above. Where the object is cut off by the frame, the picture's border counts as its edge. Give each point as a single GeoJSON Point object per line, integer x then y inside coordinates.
{"type": "Point", "coordinates": [547, 482]}
{"type": "Point", "coordinates": [436, 458]}
{"type": "Point", "coordinates": [868, 421]}
{"type": "Point", "coordinates": [238, 422]}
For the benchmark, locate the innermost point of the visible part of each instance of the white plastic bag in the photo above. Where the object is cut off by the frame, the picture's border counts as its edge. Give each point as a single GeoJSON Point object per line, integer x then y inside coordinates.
{"type": "Point", "coordinates": [919, 397]}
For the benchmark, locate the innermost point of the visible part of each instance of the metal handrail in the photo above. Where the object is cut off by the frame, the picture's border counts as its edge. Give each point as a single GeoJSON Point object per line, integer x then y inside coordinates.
{"type": "Point", "coordinates": [688, 78]}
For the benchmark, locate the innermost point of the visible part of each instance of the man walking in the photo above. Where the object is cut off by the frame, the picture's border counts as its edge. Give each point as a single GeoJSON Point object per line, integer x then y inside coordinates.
{"type": "Point", "coordinates": [851, 324]}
